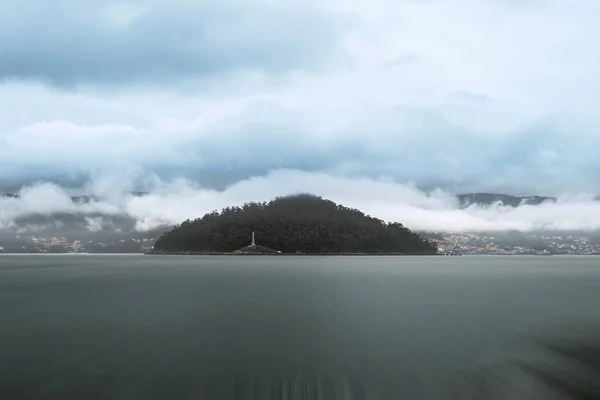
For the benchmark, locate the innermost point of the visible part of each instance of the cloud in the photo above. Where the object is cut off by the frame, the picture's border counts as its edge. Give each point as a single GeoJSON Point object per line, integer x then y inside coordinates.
{"type": "Point", "coordinates": [230, 142]}
{"type": "Point", "coordinates": [67, 43]}
{"type": "Point", "coordinates": [466, 95]}
{"type": "Point", "coordinates": [172, 202]}
{"type": "Point", "coordinates": [94, 224]}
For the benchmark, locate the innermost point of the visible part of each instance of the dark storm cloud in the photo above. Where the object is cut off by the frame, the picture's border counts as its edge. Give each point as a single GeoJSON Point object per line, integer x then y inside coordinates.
{"type": "Point", "coordinates": [70, 42]}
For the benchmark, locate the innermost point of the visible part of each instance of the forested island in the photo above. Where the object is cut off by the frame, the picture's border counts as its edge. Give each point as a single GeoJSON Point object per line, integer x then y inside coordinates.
{"type": "Point", "coordinates": [303, 223]}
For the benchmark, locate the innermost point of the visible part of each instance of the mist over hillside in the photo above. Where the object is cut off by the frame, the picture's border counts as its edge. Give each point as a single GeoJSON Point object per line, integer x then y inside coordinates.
{"type": "Point", "coordinates": [465, 199]}
{"type": "Point", "coordinates": [92, 224]}
{"type": "Point", "coordinates": [113, 209]}
{"type": "Point", "coordinates": [486, 199]}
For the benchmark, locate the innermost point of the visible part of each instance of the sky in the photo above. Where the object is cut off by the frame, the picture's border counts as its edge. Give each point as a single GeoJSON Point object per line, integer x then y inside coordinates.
{"type": "Point", "coordinates": [390, 97]}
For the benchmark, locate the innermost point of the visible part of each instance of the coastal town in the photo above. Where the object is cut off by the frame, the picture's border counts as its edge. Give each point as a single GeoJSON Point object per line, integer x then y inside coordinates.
{"type": "Point", "coordinates": [54, 244]}
{"type": "Point", "coordinates": [448, 243]}
{"type": "Point", "coordinates": [530, 244]}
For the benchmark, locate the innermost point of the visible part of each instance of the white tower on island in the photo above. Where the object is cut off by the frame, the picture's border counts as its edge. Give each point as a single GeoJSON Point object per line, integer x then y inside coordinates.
{"type": "Point", "coordinates": [253, 242]}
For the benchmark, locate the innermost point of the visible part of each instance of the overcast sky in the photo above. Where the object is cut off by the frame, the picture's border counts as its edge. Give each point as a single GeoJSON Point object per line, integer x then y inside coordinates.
{"type": "Point", "coordinates": [353, 100]}
{"type": "Point", "coordinates": [497, 95]}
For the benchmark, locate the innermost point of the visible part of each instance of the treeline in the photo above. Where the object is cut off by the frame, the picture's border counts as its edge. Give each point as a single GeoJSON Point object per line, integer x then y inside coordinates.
{"type": "Point", "coordinates": [300, 223]}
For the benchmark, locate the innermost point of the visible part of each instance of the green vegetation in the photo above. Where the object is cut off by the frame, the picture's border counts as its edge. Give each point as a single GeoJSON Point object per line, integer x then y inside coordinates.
{"type": "Point", "coordinates": [301, 223]}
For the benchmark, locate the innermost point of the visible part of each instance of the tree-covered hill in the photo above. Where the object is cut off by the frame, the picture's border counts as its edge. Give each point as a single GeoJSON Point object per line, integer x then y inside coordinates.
{"type": "Point", "coordinates": [300, 223]}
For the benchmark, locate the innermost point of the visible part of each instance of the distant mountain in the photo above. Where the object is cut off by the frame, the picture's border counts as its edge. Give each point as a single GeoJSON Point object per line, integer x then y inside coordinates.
{"type": "Point", "coordinates": [465, 200]}
{"type": "Point", "coordinates": [77, 199]}
{"type": "Point", "coordinates": [78, 231]}
{"type": "Point", "coordinates": [486, 199]}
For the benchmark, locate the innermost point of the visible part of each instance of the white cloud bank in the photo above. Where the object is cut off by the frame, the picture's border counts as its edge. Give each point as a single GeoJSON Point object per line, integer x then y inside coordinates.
{"type": "Point", "coordinates": [171, 202]}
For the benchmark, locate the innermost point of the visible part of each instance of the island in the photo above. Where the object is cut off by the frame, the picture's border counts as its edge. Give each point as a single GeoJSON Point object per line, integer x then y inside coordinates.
{"type": "Point", "coordinates": [295, 224]}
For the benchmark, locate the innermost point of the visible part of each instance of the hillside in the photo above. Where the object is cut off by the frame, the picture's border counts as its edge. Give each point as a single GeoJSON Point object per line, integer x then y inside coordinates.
{"type": "Point", "coordinates": [300, 223]}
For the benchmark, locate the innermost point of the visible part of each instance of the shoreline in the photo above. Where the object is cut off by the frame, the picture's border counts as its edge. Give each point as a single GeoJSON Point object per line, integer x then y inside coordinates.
{"type": "Point", "coordinates": [289, 254]}
{"type": "Point", "coordinates": [194, 253]}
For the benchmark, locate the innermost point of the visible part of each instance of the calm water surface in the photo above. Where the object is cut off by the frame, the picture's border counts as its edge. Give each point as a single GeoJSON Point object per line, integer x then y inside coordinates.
{"type": "Point", "coordinates": [160, 327]}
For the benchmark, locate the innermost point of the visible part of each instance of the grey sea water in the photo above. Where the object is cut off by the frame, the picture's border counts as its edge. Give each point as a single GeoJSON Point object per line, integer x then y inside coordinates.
{"type": "Point", "coordinates": [176, 327]}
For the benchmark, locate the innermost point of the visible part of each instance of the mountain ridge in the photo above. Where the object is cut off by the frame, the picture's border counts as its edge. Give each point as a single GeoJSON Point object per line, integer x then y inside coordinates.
{"type": "Point", "coordinates": [81, 199]}
{"type": "Point", "coordinates": [465, 199]}
{"type": "Point", "coordinates": [486, 199]}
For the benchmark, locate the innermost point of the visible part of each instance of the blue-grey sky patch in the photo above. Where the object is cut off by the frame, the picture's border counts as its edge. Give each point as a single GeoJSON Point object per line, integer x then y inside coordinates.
{"type": "Point", "coordinates": [66, 43]}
